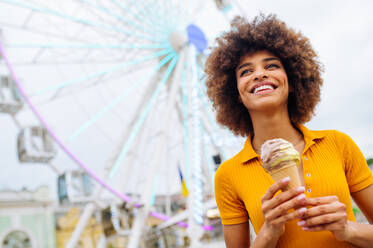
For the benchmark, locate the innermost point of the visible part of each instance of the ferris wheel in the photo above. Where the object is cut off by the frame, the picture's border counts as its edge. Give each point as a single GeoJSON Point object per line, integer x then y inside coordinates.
{"type": "Point", "coordinates": [119, 86]}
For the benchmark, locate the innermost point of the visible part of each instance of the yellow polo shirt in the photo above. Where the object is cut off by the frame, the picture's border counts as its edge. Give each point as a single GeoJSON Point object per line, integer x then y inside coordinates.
{"type": "Point", "coordinates": [332, 165]}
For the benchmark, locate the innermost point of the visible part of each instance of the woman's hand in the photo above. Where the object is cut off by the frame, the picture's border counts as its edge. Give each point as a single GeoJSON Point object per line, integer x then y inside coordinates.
{"type": "Point", "coordinates": [327, 213]}
{"type": "Point", "coordinates": [276, 208]}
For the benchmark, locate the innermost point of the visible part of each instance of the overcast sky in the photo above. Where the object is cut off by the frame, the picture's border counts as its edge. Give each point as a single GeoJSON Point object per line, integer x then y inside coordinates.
{"type": "Point", "coordinates": [341, 33]}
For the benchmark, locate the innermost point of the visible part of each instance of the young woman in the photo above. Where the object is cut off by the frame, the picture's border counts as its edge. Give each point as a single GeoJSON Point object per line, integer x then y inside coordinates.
{"type": "Point", "coordinates": [264, 81]}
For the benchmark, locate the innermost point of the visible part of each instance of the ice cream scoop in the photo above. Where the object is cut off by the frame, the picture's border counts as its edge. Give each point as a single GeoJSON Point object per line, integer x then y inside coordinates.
{"type": "Point", "coordinates": [280, 159]}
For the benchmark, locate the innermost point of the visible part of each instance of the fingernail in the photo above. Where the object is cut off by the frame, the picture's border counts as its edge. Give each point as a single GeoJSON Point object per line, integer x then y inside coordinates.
{"type": "Point", "coordinates": [305, 228]}
{"type": "Point", "coordinates": [301, 197]}
{"type": "Point", "coordinates": [301, 223]}
{"type": "Point", "coordinates": [302, 210]}
{"type": "Point", "coordinates": [286, 179]}
{"type": "Point", "coordinates": [300, 189]}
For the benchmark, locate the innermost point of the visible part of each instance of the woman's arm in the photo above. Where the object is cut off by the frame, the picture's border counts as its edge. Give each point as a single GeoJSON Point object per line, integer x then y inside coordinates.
{"type": "Point", "coordinates": [364, 199]}
{"type": "Point", "coordinates": [362, 234]}
{"type": "Point", "coordinates": [276, 214]}
{"type": "Point", "coordinates": [330, 214]}
{"type": "Point", "coordinates": [237, 236]}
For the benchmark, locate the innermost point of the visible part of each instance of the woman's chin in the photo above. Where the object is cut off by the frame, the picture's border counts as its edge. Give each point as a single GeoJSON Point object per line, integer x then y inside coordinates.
{"type": "Point", "coordinates": [267, 106]}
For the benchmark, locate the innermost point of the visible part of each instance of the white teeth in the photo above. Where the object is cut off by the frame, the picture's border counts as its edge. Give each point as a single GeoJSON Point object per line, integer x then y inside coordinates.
{"type": "Point", "coordinates": [264, 87]}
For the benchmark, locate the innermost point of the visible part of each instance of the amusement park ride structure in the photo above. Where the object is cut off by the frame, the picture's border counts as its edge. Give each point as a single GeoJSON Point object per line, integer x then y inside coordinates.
{"type": "Point", "coordinates": [149, 56]}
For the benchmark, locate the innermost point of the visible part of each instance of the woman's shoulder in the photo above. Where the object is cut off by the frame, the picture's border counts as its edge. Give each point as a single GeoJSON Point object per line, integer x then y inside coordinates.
{"type": "Point", "coordinates": [229, 165]}
{"type": "Point", "coordinates": [335, 134]}
{"type": "Point", "coordinates": [329, 134]}
{"type": "Point", "coordinates": [332, 136]}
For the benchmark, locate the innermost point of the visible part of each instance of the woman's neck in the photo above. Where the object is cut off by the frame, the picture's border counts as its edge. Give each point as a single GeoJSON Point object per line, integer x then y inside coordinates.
{"type": "Point", "coordinates": [275, 125]}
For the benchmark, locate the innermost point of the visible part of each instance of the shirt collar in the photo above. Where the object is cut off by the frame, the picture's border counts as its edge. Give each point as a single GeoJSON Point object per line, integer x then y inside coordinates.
{"type": "Point", "coordinates": [248, 152]}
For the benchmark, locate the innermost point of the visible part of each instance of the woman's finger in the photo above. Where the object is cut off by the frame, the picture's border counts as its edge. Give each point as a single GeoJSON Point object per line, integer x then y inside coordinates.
{"type": "Point", "coordinates": [322, 219]}
{"type": "Point", "coordinates": [290, 216]}
{"type": "Point", "coordinates": [274, 188]}
{"type": "Point", "coordinates": [285, 206]}
{"type": "Point", "coordinates": [325, 209]}
{"type": "Point", "coordinates": [334, 226]}
{"type": "Point", "coordinates": [316, 228]}
{"type": "Point", "coordinates": [321, 200]}
{"type": "Point", "coordinates": [283, 197]}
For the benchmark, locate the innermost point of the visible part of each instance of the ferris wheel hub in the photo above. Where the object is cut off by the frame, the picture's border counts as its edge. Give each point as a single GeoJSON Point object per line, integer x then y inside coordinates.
{"type": "Point", "coordinates": [194, 35]}
{"type": "Point", "coordinates": [178, 40]}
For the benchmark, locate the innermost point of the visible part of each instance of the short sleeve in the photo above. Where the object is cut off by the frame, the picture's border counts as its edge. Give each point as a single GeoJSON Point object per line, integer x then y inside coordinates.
{"type": "Point", "coordinates": [232, 209]}
{"type": "Point", "coordinates": [357, 171]}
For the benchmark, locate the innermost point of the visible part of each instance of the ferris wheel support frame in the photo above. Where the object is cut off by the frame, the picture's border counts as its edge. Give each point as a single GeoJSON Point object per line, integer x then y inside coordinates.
{"type": "Point", "coordinates": [83, 220]}
{"type": "Point", "coordinates": [88, 210]}
{"type": "Point", "coordinates": [195, 199]}
{"type": "Point", "coordinates": [143, 213]}
{"type": "Point", "coordinates": [127, 168]}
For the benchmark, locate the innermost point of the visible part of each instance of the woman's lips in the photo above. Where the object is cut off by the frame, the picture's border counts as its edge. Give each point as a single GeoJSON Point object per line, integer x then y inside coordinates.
{"type": "Point", "coordinates": [263, 87]}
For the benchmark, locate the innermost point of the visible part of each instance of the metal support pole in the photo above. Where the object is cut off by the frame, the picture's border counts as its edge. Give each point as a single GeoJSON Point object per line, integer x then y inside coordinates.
{"type": "Point", "coordinates": [83, 220]}
{"type": "Point", "coordinates": [87, 210]}
{"type": "Point", "coordinates": [102, 242]}
{"type": "Point", "coordinates": [160, 150]}
{"type": "Point", "coordinates": [195, 201]}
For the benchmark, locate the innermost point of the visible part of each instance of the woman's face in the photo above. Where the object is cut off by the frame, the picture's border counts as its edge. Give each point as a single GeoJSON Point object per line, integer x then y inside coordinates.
{"type": "Point", "coordinates": [262, 82]}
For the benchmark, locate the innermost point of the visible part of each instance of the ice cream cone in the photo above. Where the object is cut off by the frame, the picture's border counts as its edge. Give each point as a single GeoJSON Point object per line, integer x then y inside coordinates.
{"type": "Point", "coordinates": [280, 160]}
{"type": "Point", "coordinates": [287, 169]}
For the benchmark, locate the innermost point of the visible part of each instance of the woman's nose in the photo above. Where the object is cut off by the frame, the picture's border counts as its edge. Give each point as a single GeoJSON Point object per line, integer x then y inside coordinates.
{"type": "Point", "coordinates": [260, 74]}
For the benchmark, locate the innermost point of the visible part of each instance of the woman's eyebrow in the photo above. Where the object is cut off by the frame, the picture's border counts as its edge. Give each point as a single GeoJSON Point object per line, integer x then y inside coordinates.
{"type": "Point", "coordinates": [243, 65]}
{"type": "Point", "coordinates": [270, 59]}
{"type": "Point", "coordinates": [264, 60]}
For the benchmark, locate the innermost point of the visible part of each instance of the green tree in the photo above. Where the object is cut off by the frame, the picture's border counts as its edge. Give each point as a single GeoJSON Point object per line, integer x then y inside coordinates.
{"type": "Point", "coordinates": [370, 161]}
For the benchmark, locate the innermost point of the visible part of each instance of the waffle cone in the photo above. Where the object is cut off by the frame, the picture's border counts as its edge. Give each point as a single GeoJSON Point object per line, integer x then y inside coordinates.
{"type": "Point", "coordinates": [287, 169]}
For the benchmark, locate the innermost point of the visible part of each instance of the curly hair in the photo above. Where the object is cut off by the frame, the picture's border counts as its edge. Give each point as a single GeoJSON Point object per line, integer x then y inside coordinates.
{"type": "Point", "coordinates": [262, 33]}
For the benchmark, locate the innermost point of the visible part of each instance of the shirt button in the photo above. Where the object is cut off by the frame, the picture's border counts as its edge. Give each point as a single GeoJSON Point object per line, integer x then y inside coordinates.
{"type": "Point", "coordinates": [305, 158]}
{"type": "Point", "coordinates": [308, 174]}
{"type": "Point", "coordinates": [309, 190]}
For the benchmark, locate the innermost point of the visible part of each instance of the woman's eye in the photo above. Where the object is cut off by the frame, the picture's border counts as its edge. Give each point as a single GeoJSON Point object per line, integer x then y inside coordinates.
{"type": "Point", "coordinates": [244, 72]}
{"type": "Point", "coordinates": [273, 66]}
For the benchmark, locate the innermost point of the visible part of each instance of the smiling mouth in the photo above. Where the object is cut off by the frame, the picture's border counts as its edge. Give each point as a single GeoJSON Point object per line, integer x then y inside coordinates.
{"type": "Point", "coordinates": [262, 88]}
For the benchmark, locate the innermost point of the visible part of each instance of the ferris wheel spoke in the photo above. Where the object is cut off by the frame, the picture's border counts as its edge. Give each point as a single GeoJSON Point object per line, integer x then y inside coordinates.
{"type": "Point", "coordinates": [119, 17]}
{"type": "Point", "coordinates": [169, 14]}
{"type": "Point", "coordinates": [108, 50]}
{"type": "Point", "coordinates": [169, 11]}
{"type": "Point", "coordinates": [78, 20]}
{"type": "Point", "coordinates": [87, 46]}
{"type": "Point", "coordinates": [180, 14]}
{"type": "Point", "coordinates": [63, 147]}
{"type": "Point", "coordinates": [148, 13]}
{"type": "Point", "coordinates": [143, 116]}
{"type": "Point", "coordinates": [37, 31]}
{"type": "Point", "coordinates": [117, 100]}
{"type": "Point", "coordinates": [141, 19]}
{"type": "Point", "coordinates": [95, 82]}
{"type": "Point", "coordinates": [161, 15]}
{"type": "Point", "coordinates": [129, 9]}
{"type": "Point", "coordinates": [100, 73]}
{"type": "Point", "coordinates": [140, 145]}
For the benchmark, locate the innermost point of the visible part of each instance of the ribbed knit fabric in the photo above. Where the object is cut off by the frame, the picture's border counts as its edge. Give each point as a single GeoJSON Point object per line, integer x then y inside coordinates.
{"type": "Point", "coordinates": [332, 165]}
